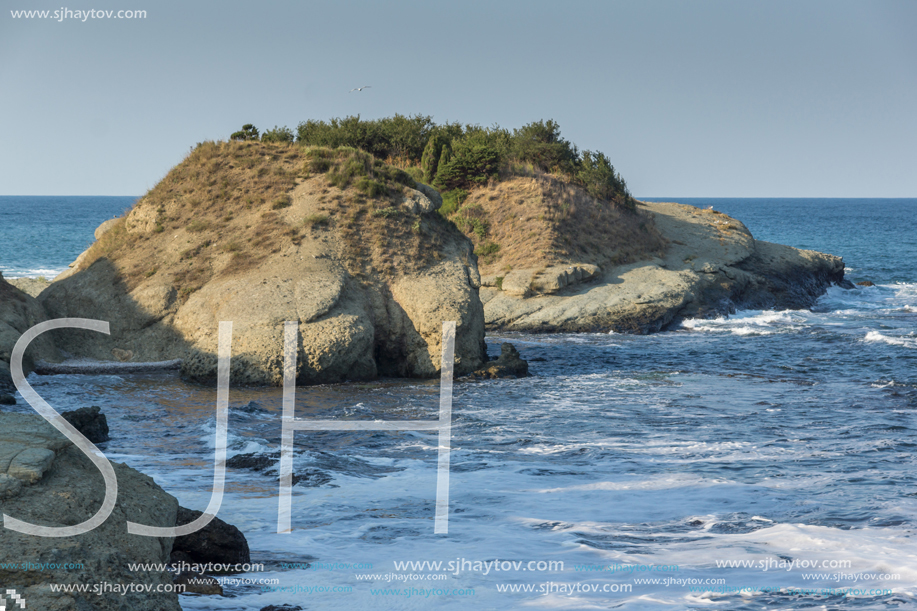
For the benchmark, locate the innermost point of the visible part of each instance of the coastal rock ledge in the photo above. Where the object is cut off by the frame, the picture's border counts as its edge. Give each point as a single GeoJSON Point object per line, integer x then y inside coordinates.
{"type": "Point", "coordinates": [46, 480]}
{"type": "Point", "coordinates": [711, 266]}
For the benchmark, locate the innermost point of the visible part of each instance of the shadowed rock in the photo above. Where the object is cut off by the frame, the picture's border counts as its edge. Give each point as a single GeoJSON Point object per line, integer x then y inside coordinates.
{"type": "Point", "coordinates": [45, 480]}
{"type": "Point", "coordinates": [216, 543]}
{"type": "Point", "coordinates": [90, 421]}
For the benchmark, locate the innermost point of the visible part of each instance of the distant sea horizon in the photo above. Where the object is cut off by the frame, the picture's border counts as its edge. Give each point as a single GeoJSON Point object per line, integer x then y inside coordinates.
{"type": "Point", "coordinates": [40, 235]}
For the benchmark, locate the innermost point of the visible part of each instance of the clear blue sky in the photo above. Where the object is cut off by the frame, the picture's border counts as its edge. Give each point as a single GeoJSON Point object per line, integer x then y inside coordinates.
{"type": "Point", "coordinates": [715, 98]}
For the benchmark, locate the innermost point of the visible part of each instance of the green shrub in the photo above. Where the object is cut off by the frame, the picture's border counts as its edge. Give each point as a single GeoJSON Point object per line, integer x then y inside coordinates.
{"type": "Point", "coordinates": [540, 144]}
{"type": "Point", "coordinates": [278, 134]}
{"type": "Point", "coordinates": [197, 226]}
{"type": "Point", "coordinates": [431, 155]}
{"type": "Point", "coordinates": [370, 187]}
{"type": "Point", "coordinates": [393, 174]}
{"type": "Point", "coordinates": [248, 132]}
{"type": "Point", "coordinates": [398, 137]}
{"type": "Point", "coordinates": [599, 178]}
{"type": "Point", "coordinates": [469, 165]}
{"type": "Point", "coordinates": [452, 201]}
{"type": "Point", "coordinates": [478, 226]}
{"type": "Point", "coordinates": [388, 212]}
{"type": "Point", "coordinates": [488, 252]}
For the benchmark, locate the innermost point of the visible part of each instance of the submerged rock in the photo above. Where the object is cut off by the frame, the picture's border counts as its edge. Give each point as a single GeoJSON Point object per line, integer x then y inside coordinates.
{"type": "Point", "coordinates": [198, 583]}
{"type": "Point", "coordinates": [268, 463]}
{"type": "Point", "coordinates": [508, 365]}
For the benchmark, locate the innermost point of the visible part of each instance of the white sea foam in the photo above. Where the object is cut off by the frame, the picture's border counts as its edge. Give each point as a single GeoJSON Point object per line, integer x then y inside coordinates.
{"type": "Point", "coordinates": [752, 322]}
{"type": "Point", "coordinates": [908, 341]}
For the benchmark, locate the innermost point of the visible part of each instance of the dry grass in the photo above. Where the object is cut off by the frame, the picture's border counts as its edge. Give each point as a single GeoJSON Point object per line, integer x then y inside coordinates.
{"type": "Point", "coordinates": [221, 212]}
{"type": "Point", "coordinates": [541, 220]}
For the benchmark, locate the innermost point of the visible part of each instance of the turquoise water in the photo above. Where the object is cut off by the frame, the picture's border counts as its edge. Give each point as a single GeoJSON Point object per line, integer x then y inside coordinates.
{"type": "Point", "coordinates": [770, 450]}
{"type": "Point", "coordinates": [41, 236]}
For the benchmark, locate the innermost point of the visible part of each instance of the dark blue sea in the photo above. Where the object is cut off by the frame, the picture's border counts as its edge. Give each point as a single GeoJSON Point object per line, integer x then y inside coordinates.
{"type": "Point", "coordinates": [764, 460]}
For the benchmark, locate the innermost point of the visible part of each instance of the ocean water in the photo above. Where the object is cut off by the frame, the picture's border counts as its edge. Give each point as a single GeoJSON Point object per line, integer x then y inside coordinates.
{"type": "Point", "coordinates": [41, 236]}
{"type": "Point", "coordinates": [764, 460]}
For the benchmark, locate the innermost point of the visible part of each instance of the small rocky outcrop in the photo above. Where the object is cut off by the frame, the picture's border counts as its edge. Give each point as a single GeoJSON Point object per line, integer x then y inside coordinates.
{"type": "Point", "coordinates": [282, 608]}
{"type": "Point", "coordinates": [216, 543]}
{"type": "Point", "coordinates": [866, 283]}
{"type": "Point", "coordinates": [711, 266]}
{"type": "Point", "coordinates": [90, 421]}
{"type": "Point", "coordinates": [19, 312]}
{"type": "Point", "coordinates": [46, 480]}
{"type": "Point", "coordinates": [508, 365]}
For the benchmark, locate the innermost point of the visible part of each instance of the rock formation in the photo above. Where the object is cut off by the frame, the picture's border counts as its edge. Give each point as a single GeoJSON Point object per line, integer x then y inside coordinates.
{"type": "Point", "coordinates": [216, 543]}
{"type": "Point", "coordinates": [90, 421]}
{"type": "Point", "coordinates": [712, 265]}
{"type": "Point", "coordinates": [369, 275]}
{"type": "Point", "coordinates": [18, 313]}
{"type": "Point", "coordinates": [508, 365]}
{"type": "Point", "coordinates": [45, 480]}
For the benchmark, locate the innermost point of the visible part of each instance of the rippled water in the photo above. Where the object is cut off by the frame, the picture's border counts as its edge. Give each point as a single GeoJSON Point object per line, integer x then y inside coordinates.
{"type": "Point", "coordinates": [41, 236]}
{"type": "Point", "coordinates": [764, 437]}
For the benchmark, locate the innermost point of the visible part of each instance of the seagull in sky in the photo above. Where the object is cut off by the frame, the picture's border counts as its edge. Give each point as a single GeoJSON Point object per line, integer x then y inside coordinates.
{"type": "Point", "coordinates": [359, 88]}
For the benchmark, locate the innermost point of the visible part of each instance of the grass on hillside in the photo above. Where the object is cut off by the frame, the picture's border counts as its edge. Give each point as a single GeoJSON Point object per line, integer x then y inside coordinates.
{"type": "Point", "coordinates": [225, 206]}
{"type": "Point", "coordinates": [534, 219]}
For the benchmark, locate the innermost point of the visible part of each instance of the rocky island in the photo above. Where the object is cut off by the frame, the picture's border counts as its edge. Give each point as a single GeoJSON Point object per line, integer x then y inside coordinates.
{"type": "Point", "coordinates": [508, 231]}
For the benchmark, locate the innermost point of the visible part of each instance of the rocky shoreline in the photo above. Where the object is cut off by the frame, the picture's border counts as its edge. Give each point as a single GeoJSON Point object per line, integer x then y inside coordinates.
{"type": "Point", "coordinates": [712, 266]}
{"type": "Point", "coordinates": [45, 479]}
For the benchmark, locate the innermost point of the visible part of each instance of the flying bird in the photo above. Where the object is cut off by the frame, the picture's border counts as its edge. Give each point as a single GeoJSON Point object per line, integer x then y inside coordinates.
{"type": "Point", "coordinates": [359, 88]}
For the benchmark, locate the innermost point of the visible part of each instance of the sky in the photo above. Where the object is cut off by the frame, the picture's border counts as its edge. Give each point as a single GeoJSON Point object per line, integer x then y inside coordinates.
{"type": "Point", "coordinates": [689, 99]}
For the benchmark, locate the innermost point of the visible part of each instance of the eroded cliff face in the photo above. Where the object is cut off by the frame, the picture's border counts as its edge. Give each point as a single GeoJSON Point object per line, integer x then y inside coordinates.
{"type": "Point", "coordinates": [369, 280]}
{"type": "Point", "coordinates": [18, 313]}
{"type": "Point", "coordinates": [45, 480]}
{"type": "Point", "coordinates": [712, 266]}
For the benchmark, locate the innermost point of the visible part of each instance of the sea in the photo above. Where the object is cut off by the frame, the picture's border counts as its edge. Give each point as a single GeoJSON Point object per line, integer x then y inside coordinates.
{"type": "Point", "coordinates": [762, 460]}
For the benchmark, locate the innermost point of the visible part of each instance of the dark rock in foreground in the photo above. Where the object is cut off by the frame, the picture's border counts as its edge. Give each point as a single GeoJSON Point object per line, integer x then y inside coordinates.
{"type": "Point", "coordinates": [45, 480]}
{"type": "Point", "coordinates": [216, 543]}
{"type": "Point", "coordinates": [90, 421]}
